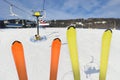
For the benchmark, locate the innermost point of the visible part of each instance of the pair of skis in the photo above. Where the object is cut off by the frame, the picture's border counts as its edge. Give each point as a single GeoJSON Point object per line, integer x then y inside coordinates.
{"type": "Point", "coordinates": [105, 48]}
{"type": "Point", "coordinates": [18, 55]}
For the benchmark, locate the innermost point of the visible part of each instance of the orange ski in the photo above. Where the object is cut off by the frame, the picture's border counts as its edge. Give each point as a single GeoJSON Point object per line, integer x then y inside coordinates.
{"type": "Point", "coordinates": [55, 52]}
{"type": "Point", "coordinates": [18, 55]}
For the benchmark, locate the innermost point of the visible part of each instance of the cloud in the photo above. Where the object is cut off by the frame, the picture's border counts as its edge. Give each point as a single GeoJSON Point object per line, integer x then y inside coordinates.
{"type": "Point", "coordinates": [111, 9]}
{"type": "Point", "coordinates": [93, 8]}
{"type": "Point", "coordinates": [82, 8]}
{"type": "Point", "coordinates": [85, 5]}
{"type": "Point", "coordinates": [56, 14]}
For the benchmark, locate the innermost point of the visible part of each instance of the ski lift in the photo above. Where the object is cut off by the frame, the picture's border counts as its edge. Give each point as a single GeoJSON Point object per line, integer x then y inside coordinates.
{"type": "Point", "coordinates": [37, 15]}
{"type": "Point", "coordinates": [40, 14]}
{"type": "Point", "coordinates": [43, 23]}
{"type": "Point", "coordinates": [11, 11]}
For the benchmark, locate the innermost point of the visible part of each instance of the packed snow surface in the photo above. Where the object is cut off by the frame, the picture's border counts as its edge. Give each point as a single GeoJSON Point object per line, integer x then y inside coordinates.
{"type": "Point", "coordinates": [38, 54]}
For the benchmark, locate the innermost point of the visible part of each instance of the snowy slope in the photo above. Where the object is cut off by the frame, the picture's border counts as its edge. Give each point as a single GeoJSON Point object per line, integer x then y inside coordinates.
{"type": "Point", "coordinates": [37, 54]}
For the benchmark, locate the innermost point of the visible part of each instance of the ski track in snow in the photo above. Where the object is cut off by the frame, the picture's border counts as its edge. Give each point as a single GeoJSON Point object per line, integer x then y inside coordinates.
{"type": "Point", "coordinates": [38, 54]}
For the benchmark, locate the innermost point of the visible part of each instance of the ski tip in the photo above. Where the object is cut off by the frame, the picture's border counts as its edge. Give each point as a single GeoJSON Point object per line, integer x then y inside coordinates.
{"type": "Point", "coordinates": [57, 39]}
{"type": "Point", "coordinates": [108, 30]}
{"type": "Point", "coordinates": [16, 42]}
{"type": "Point", "coordinates": [71, 27]}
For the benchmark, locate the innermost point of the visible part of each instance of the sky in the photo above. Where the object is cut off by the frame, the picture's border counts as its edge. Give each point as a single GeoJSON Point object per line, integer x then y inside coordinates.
{"type": "Point", "coordinates": [62, 9]}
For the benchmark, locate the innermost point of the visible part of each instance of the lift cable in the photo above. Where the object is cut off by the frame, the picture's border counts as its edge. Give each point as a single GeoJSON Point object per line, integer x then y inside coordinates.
{"type": "Point", "coordinates": [16, 7]}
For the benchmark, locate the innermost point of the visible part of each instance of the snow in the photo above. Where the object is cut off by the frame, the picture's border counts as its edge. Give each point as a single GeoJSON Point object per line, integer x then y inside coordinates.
{"type": "Point", "coordinates": [38, 54]}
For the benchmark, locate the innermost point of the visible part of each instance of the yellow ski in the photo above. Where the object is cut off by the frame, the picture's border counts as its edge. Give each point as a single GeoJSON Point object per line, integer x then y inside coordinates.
{"type": "Point", "coordinates": [71, 38]}
{"type": "Point", "coordinates": [105, 48]}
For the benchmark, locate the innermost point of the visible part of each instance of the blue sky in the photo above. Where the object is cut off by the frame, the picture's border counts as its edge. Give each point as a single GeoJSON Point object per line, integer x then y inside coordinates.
{"type": "Point", "coordinates": [63, 9]}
